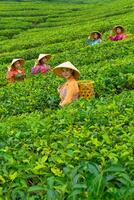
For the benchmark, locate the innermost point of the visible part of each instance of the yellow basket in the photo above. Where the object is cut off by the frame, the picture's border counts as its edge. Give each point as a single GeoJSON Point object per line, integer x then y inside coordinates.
{"type": "Point", "coordinates": [86, 88]}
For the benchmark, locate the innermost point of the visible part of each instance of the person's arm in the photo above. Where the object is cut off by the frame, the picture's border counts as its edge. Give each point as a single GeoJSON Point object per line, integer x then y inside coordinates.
{"type": "Point", "coordinates": [35, 69]}
{"type": "Point", "coordinates": [48, 67]}
{"type": "Point", "coordinates": [10, 76]}
{"type": "Point", "coordinates": [20, 75]}
{"type": "Point", "coordinates": [99, 40]}
{"type": "Point", "coordinates": [72, 91]}
{"type": "Point", "coordinates": [125, 36]}
{"type": "Point", "coordinates": [89, 41]}
{"type": "Point", "coordinates": [68, 97]}
{"type": "Point", "coordinates": [59, 88]}
{"type": "Point", "coordinates": [111, 37]}
{"type": "Point", "coordinates": [23, 71]}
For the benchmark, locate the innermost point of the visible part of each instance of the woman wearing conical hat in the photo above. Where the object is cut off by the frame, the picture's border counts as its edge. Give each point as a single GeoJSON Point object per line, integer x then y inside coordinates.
{"type": "Point", "coordinates": [69, 91]}
{"type": "Point", "coordinates": [15, 72]}
{"type": "Point", "coordinates": [119, 33]}
{"type": "Point", "coordinates": [41, 65]}
{"type": "Point", "coordinates": [94, 38]}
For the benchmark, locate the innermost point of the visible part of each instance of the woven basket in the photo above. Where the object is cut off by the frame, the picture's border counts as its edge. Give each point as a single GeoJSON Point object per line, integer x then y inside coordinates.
{"type": "Point", "coordinates": [86, 88]}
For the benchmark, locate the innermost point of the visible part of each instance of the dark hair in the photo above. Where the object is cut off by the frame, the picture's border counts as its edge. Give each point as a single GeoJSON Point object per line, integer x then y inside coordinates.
{"type": "Point", "coordinates": [73, 73]}
{"type": "Point", "coordinates": [40, 61]}
{"type": "Point", "coordinates": [13, 65]}
{"type": "Point", "coordinates": [120, 27]}
{"type": "Point", "coordinates": [98, 34]}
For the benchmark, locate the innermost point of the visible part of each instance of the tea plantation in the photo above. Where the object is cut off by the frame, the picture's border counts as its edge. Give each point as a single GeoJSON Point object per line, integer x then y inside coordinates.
{"type": "Point", "coordinates": [85, 150]}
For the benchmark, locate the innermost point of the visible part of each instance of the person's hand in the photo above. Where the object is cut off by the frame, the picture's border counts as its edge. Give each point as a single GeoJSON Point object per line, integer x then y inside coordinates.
{"type": "Point", "coordinates": [58, 89]}
{"type": "Point", "coordinates": [19, 76]}
{"type": "Point", "coordinates": [36, 63]}
{"type": "Point", "coordinates": [61, 105]}
{"type": "Point", "coordinates": [49, 68]}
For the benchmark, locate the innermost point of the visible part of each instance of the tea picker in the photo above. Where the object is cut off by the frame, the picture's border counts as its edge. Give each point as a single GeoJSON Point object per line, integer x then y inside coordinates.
{"type": "Point", "coordinates": [72, 89]}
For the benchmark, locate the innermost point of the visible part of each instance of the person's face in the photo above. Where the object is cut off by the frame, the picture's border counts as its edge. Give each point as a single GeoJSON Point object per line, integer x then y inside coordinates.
{"type": "Point", "coordinates": [67, 73]}
{"type": "Point", "coordinates": [95, 36]}
{"type": "Point", "coordinates": [118, 30]}
{"type": "Point", "coordinates": [17, 64]}
{"type": "Point", "coordinates": [43, 60]}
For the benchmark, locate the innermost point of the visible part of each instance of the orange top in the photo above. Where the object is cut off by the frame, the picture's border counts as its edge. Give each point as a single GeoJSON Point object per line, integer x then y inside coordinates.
{"type": "Point", "coordinates": [69, 91]}
{"type": "Point", "coordinates": [13, 72]}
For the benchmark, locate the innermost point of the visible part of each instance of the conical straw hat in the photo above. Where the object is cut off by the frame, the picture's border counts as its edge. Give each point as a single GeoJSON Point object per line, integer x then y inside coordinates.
{"type": "Point", "coordinates": [118, 26]}
{"type": "Point", "coordinates": [15, 60]}
{"type": "Point", "coordinates": [48, 56]}
{"type": "Point", "coordinates": [58, 70]}
{"type": "Point", "coordinates": [91, 34]}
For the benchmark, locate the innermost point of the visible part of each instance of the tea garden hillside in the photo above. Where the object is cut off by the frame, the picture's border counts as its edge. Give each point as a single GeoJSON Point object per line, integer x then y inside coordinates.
{"type": "Point", "coordinates": [83, 151]}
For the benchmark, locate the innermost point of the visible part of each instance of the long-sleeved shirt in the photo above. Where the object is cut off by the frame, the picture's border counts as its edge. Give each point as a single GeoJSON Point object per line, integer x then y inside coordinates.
{"type": "Point", "coordinates": [69, 92]}
{"type": "Point", "coordinates": [14, 74]}
{"type": "Point", "coordinates": [121, 36]}
{"type": "Point", "coordinates": [93, 42]}
{"type": "Point", "coordinates": [40, 69]}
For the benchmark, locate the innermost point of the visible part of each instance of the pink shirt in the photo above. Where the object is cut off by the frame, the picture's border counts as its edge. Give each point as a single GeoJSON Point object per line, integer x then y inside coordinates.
{"type": "Point", "coordinates": [40, 69]}
{"type": "Point", "coordinates": [121, 36]}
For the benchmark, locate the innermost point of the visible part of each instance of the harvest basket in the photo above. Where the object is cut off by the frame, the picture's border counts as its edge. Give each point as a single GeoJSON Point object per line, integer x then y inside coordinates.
{"type": "Point", "coordinates": [86, 88]}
